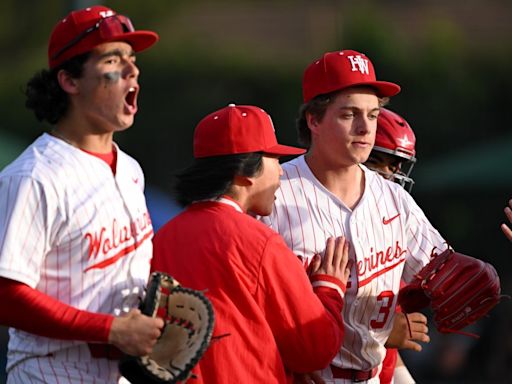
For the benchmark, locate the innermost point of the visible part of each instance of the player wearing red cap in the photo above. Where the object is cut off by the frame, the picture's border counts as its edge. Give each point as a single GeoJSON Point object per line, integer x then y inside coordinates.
{"type": "Point", "coordinates": [269, 318]}
{"type": "Point", "coordinates": [329, 192]}
{"type": "Point", "coordinates": [75, 234]}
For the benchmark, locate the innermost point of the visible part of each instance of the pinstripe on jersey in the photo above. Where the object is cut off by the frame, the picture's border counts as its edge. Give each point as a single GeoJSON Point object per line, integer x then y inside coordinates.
{"type": "Point", "coordinates": [72, 230]}
{"type": "Point", "coordinates": [390, 238]}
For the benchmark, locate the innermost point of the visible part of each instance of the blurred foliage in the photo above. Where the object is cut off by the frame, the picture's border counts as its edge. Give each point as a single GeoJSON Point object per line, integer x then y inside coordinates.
{"type": "Point", "coordinates": [453, 62]}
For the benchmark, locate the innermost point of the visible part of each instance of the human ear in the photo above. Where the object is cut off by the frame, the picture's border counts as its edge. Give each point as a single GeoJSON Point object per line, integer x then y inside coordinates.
{"type": "Point", "coordinates": [243, 181]}
{"type": "Point", "coordinates": [67, 82]}
{"type": "Point", "coordinates": [312, 122]}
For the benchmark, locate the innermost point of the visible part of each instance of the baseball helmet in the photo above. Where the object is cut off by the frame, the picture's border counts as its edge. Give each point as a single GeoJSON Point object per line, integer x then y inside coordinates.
{"type": "Point", "coordinates": [396, 138]}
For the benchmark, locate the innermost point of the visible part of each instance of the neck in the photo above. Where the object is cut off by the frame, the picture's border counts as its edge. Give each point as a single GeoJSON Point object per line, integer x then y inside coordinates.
{"type": "Point", "coordinates": [345, 182]}
{"type": "Point", "coordinates": [97, 143]}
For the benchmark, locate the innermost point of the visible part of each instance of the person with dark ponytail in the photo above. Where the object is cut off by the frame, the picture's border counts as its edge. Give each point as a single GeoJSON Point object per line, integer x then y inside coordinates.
{"type": "Point", "coordinates": [75, 233]}
{"type": "Point", "coordinates": [269, 316]}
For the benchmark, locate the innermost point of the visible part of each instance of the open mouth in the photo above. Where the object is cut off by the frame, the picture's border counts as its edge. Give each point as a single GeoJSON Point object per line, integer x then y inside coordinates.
{"type": "Point", "coordinates": [131, 98]}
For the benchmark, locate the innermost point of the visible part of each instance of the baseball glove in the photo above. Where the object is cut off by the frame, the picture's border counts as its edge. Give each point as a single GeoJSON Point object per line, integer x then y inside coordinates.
{"type": "Point", "coordinates": [189, 319]}
{"type": "Point", "coordinates": [460, 290]}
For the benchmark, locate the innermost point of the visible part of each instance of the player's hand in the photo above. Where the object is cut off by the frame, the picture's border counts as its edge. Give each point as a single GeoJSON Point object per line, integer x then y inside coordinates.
{"type": "Point", "coordinates": [335, 261]}
{"type": "Point", "coordinates": [400, 336]}
{"type": "Point", "coordinates": [307, 378]}
{"type": "Point", "coordinates": [504, 227]}
{"type": "Point", "coordinates": [134, 333]}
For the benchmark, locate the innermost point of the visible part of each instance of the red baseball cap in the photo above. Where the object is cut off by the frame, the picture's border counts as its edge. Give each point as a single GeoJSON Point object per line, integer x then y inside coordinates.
{"type": "Point", "coordinates": [80, 31]}
{"type": "Point", "coordinates": [342, 69]}
{"type": "Point", "coordinates": [238, 129]}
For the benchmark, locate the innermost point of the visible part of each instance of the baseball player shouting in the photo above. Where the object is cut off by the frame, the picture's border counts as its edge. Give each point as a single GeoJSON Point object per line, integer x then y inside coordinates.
{"type": "Point", "coordinates": [75, 234]}
{"type": "Point", "coordinates": [268, 318]}
{"type": "Point", "coordinates": [328, 192]}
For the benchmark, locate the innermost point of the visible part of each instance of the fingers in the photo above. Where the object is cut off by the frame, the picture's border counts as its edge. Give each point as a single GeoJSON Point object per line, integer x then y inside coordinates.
{"type": "Point", "coordinates": [411, 345]}
{"type": "Point", "coordinates": [418, 328]}
{"type": "Point", "coordinates": [337, 250]}
{"type": "Point", "coordinates": [507, 231]}
{"type": "Point", "coordinates": [329, 252]}
{"type": "Point", "coordinates": [341, 260]}
{"type": "Point", "coordinates": [417, 317]}
{"type": "Point", "coordinates": [504, 227]}
{"type": "Point", "coordinates": [347, 263]}
{"type": "Point", "coordinates": [135, 333]}
{"type": "Point", "coordinates": [339, 245]}
{"type": "Point", "coordinates": [335, 261]}
{"type": "Point", "coordinates": [422, 337]}
{"type": "Point", "coordinates": [508, 211]}
{"type": "Point", "coordinates": [314, 266]}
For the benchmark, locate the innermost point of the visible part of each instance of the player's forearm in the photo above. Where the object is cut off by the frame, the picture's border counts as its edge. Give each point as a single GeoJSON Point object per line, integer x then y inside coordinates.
{"type": "Point", "coordinates": [32, 311]}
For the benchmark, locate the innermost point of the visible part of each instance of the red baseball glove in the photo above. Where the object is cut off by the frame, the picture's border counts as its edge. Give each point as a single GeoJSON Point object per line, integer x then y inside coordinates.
{"type": "Point", "coordinates": [460, 290]}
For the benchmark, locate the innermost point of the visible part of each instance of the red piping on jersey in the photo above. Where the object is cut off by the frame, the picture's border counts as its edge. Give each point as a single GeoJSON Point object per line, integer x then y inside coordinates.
{"type": "Point", "coordinates": [377, 274]}
{"type": "Point", "coordinates": [123, 252]}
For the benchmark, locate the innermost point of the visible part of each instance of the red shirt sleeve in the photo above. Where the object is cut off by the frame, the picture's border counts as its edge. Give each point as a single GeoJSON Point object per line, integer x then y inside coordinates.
{"type": "Point", "coordinates": [32, 311]}
{"type": "Point", "coordinates": [308, 327]}
{"type": "Point", "coordinates": [388, 366]}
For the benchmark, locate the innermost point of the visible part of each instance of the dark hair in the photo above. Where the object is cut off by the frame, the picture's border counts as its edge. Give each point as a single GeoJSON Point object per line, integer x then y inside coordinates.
{"type": "Point", "coordinates": [44, 94]}
{"type": "Point", "coordinates": [317, 107]}
{"type": "Point", "coordinates": [211, 177]}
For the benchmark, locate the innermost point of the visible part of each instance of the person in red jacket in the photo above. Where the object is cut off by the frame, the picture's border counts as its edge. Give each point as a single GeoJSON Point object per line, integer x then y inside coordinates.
{"type": "Point", "coordinates": [270, 319]}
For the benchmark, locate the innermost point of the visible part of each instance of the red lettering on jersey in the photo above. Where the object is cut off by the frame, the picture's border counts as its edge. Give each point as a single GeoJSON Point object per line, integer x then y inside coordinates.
{"type": "Point", "coordinates": [123, 252]}
{"type": "Point", "coordinates": [379, 259]}
{"type": "Point", "coordinates": [104, 242]}
{"type": "Point", "coordinates": [95, 241]}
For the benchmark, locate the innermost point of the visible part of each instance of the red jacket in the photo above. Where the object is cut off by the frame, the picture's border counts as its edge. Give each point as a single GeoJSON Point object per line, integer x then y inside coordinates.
{"type": "Point", "coordinates": [265, 307]}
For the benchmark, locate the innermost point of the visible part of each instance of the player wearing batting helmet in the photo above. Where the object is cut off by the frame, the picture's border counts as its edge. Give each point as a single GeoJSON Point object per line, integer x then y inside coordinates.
{"type": "Point", "coordinates": [75, 234]}
{"type": "Point", "coordinates": [393, 156]}
{"type": "Point", "coordinates": [330, 192]}
{"type": "Point", "coordinates": [268, 317]}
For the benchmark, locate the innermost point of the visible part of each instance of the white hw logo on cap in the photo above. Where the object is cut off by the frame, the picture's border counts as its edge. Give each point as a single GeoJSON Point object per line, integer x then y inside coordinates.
{"type": "Point", "coordinates": [359, 64]}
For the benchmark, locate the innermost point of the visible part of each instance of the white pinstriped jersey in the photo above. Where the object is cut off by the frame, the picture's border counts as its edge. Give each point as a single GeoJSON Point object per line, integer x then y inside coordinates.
{"type": "Point", "coordinates": [390, 238]}
{"type": "Point", "coordinates": [72, 230]}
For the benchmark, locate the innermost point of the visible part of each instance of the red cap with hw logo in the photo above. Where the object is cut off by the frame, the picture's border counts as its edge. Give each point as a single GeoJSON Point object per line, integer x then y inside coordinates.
{"type": "Point", "coordinates": [238, 129]}
{"type": "Point", "coordinates": [80, 31]}
{"type": "Point", "coordinates": [338, 70]}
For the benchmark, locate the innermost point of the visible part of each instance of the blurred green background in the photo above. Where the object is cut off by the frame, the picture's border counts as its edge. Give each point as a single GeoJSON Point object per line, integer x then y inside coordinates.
{"type": "Point", "coordinates": [452, 59]}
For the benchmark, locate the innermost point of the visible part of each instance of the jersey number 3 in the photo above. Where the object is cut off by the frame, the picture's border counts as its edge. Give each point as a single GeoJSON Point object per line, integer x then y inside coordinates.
{"type": "Point", "coordinates": [386, 301]}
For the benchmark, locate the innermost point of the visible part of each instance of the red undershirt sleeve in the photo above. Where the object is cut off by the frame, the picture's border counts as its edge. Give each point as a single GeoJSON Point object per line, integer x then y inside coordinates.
{"type": "Point", "coordinates": [32, 311]}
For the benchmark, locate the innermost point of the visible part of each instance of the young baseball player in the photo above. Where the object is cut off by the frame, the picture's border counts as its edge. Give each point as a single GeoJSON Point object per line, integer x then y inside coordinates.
{"type": "Point", "coordinates": [504, 227]}
{"type": "Point", "coordinates": [75, 234]}
{"type": "Point", "coordinates": [329, 192]}
{"type": "Point", "coordinates": [393, 154]}
{"type": "Point", "coordinates": [393, 157]}
{"type": "Point", "coordinates": [269, 319]}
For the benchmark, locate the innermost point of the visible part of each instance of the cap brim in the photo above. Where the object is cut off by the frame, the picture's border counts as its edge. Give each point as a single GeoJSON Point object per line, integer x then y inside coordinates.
{"type": "Point", "coordinates": [139, 40]}
{"type": "Point", "coordinates": [284, 150]}
{"type": "Point", "coordinates": [384, 88]}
